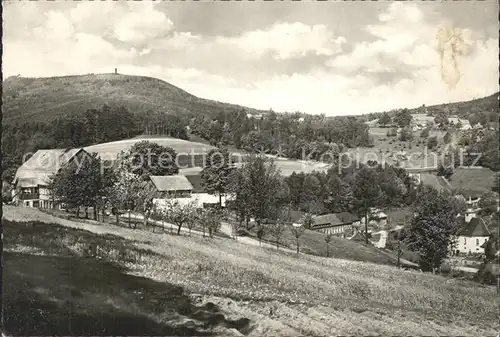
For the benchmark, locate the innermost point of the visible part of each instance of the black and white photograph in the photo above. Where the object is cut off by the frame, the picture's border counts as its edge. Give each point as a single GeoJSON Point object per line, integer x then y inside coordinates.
{"type": "Point", "coordinates": [250, 168]}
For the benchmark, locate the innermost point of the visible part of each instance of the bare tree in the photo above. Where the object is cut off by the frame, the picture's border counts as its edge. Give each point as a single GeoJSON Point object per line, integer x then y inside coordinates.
{"type": "Point", "coordinates": [297, 231]}
{"type": "Point", "coordinates": [179, 214]}
{"type": "Point", "coordinates": [261, 232]}
{"type": "Point", "coordinates": [276, 230]}
{"type": "Point", "coordinates": [328, 238]}
{"type": "Point", "coordinates": [190, 223]}
{"type": "Point", "coordinates": [215, 216]}
{"type": "Point", "coordinates": [210, 220]}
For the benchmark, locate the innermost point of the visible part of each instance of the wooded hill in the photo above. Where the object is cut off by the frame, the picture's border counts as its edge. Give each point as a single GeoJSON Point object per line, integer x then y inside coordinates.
{"type": "Point", "coordinates": [43, 99]}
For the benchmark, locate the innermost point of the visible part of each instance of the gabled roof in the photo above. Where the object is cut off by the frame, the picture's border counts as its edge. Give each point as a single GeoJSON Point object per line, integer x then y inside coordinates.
{"type": "Point", "coordinates": [472, 181]}
{"type": "Point", "coordinates": [347, 217]}
{"type": "Point", "coordinates": [475, 227]}
{"type": "Point", "coordinates": [40, 179]}
{"type": "Point", "coordinates": [334, 219]}
{"type": "Point", "coordinates": [171, 183]}
{"type": "Point", "coordinates": [326, 219]}
{"type": "Point", "coordinates": [196, 182]}
{"type": "Point", "coordinates": [43, 164]}
{"type": "Point", "coordinates": [438, 182]}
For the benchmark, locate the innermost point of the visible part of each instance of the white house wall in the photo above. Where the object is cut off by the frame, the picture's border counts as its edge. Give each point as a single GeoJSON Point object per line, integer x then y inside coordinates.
{"type": "Point", "coordinates": [470, 244]}
{"type": "Point", "coordinates": [197, 198]}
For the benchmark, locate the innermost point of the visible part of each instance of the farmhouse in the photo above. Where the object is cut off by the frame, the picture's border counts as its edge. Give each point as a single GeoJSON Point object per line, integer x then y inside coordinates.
{"type": "Point", "coordinates": [176, 186]}
{"type": "Point", "coordinates": [470, 183]}
{"type": "Point", "coordinates": [32, 179]}
{"type": "Point", "coordinates": [334, 223]}
{"type": "Point", "coordinates": [375, 218]}
{"type": "Point", "coordinates": [199, 193]}
{"type": "Point", "coordinates": [471, 236]}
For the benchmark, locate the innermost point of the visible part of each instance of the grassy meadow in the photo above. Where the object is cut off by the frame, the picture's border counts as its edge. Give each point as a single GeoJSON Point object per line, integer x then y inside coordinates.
{"type": "Point", "coordinates": [101, 268]}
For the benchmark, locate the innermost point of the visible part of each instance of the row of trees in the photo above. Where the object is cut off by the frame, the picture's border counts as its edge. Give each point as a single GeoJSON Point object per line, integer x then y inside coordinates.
{"type": "Point", "coordinates": [401, 118]}
{"type": "Point", "coordinates": [433, 224]}
{"type": "Point", "coordinates": [124, 187]}
{"type": "Point", "coordinates": [101, 125]}
{"type": "Point", "coordinates": [286, 134]}
{"type": "Point", "coordinates": [259, 191]}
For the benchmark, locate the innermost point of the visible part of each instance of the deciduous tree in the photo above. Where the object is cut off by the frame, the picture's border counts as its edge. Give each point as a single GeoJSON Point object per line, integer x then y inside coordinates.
{"type": "Point", "coordinates": [384, 119]}
{"type": "Point", "coordinates": [488, 203]}
{"type": "Point", "coordinates": [432, 226]}
{"type": "Point", "coordinates": [179, 214]}
{"type": "Point", "coordinates": [402, 118]}
{"type": "Point", "coordinates": [151, 159]}
{"type": "Point", "coordinates": [297, 231]}
{"type": "Point", "coordinates": [262, 183]}
{"type": "Point", "coordinates": [328, 238]}
{"type": "Point", "coordinates": [216, 172]}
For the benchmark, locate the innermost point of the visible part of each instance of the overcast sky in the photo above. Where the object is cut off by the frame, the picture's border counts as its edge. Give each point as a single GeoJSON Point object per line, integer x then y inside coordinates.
{"type": "Point", "coordinates": [328, 57]}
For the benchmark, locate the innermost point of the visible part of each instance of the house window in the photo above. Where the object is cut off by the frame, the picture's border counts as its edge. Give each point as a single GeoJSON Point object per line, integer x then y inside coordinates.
{"type": "Point", "coordinates": [477, 242]}
{"type": "Point", "coordinates": [465, 241]}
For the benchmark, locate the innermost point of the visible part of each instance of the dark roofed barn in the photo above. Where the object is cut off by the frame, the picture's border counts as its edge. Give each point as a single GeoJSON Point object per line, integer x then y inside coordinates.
{"type": "Point", "coordinates": [334, 223]}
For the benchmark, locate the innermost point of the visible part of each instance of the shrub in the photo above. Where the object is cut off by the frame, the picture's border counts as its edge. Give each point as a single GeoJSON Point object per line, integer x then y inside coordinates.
{"type": "Point", "coordinates": [424, 133]}
{"type": "Point", "coordinates": [406, 135]}
{"type": "Point", "coordinates": [392, 132]}
{"type": "Point", "coordinates": [432, 142]}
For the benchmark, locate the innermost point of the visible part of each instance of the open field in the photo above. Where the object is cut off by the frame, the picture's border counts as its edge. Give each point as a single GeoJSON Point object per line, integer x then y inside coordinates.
{"type": "Point", "coordinates": [288, 166]}
{"type": "Point", "coordinates": [160, 282]}
{"type": "Point", "coordinates": [416, 150]}
{"type": "Point", "coordinates": [179, 145]}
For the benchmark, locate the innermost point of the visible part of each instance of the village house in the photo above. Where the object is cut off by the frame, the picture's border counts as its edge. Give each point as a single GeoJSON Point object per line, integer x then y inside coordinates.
{"type": "Point", "coordinates": [376, 218]}
{"type": "Point", "coordinates": [469, 182]}
{"type": "Point", "coordinates": [471, 237]}
{"type": "Point", "coordinates": [175, 186]}
{"type": "Point", "coordinates": [32, 179]}
{"type": "Point", "coordinates": [199, 193]}
{"type": "Point", "coordinates": [335, 223]}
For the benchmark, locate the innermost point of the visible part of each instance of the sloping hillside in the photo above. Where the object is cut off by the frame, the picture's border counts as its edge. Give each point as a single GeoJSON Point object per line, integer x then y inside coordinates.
{"type": "Point", "coordinates": [46, 98]}
{"type": "Point", "coordinates": [463, 109]}
{"type": "Point", "coordinates": [163, 285]}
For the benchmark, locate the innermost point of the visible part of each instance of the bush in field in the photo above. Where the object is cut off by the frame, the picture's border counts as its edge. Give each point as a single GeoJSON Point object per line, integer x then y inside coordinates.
{"type": "Point", "coordinates": [424, 133]}
{"type": "Point", "coordinates": [432, 142]}
{"type": "Point", "coordinates": [179, 215]}
{"type": "Point", "coordinates": [406, 134]}
{"type": "Point", "coordinates": [393, 132]}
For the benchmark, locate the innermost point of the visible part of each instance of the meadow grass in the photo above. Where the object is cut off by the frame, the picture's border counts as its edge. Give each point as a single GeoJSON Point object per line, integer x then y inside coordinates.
{"type": "Point", "coordinates": [225, 268]}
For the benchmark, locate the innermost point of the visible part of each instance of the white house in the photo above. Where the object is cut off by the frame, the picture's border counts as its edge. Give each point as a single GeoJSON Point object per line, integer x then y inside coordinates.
{"type": "Point", "coordinates": [183, 189]}
{"type": "Point", "coordinates": [375, 217]}
{"type": "Point", "coordinates": [471, 236]}
{"type": "Point", "coordinates": [32, 179]}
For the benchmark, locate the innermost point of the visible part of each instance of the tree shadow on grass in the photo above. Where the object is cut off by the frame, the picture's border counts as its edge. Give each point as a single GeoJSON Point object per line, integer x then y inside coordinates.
{"type": "Point", "coordinates": [71, 295]}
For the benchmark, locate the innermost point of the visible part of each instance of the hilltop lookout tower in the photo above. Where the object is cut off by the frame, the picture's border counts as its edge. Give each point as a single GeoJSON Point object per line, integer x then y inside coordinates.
{"type": "Point", "coordinates": [116, 71]}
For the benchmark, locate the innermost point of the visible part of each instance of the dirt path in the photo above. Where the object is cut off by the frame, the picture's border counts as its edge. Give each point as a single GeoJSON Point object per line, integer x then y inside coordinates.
{"type": "Point", "coordinates": [383, 237]}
